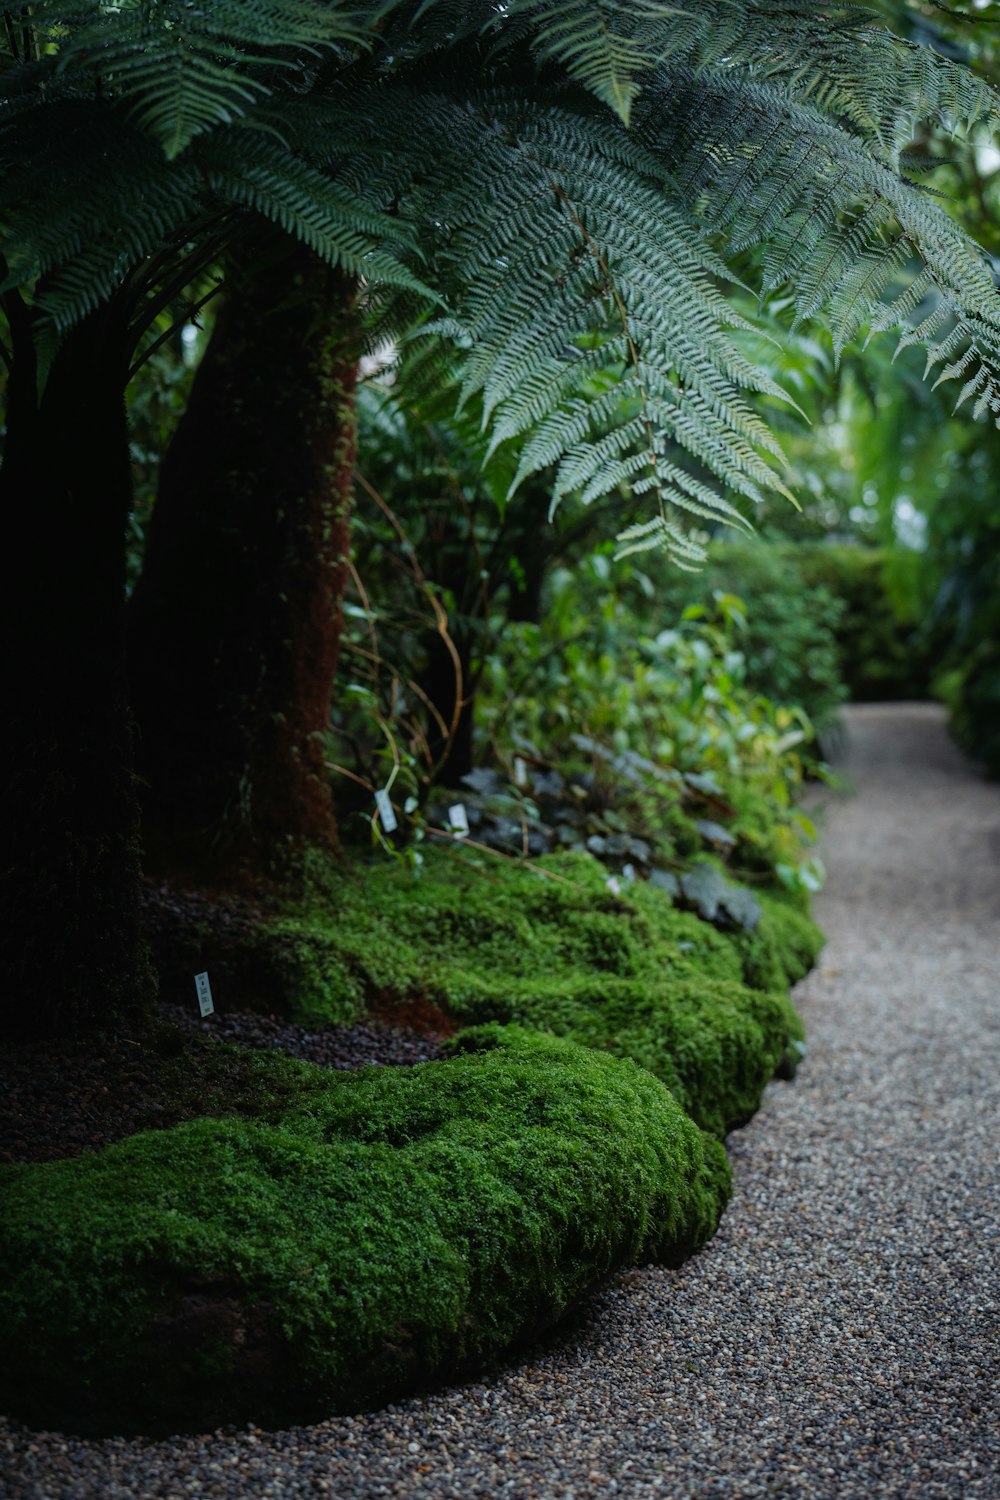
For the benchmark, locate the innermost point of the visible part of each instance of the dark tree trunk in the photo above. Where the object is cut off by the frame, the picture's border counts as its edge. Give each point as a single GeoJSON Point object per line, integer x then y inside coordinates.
{"type": "Point", "coordinates": [235, 624]}
{"type": "Point", "coordinates": [69, 892]}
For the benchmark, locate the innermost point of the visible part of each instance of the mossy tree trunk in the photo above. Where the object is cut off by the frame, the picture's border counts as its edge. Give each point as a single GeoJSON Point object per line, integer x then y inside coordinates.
{"type": "Point", "coordinates": [69, 891]}
{"type": "Point", "coordinates": [235, 623]}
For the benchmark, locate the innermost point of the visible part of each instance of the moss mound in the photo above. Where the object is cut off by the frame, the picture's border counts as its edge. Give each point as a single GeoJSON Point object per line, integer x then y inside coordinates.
{"type": "Point", "coordinates": [785, 945]}
{"type": "Point", "coordinates": [549, 946]}
{"type": "Point", "coordinates": [544, 944]}
{"type": "Point", "coordinates": [391, 1228]}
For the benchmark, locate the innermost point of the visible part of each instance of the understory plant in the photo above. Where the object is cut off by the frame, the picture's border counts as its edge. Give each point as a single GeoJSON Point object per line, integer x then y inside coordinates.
{"type": "Point", "coordinates": [664, 752]}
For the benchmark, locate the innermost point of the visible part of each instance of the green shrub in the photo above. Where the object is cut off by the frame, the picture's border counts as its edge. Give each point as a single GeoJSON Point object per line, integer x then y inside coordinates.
{"type": "Point", "coordinates": [784, 946]}
{"type": "Point", "coordinates": [880, 652]}
{"type": "Point", "coordinates": [658, 730]}
{"type": "Point", "coordinates": [824, 621]}
{"type": "Point", "coordinates": [392, 1228]}
{"type": "Point", "coordinates": [790, 640]}
{"type": "Point", "coordinates": [972, 693]}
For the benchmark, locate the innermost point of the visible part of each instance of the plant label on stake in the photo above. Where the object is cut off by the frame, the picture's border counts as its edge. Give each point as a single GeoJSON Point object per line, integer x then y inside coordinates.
{"type": "Point", "coordinates": [458, 820]}
{"type": "Point", "coordinates": [204, 992]}
{"type": "Point", "coordinates": [385, 812]}
{"type": "Point", "coordinates": [520, 771]}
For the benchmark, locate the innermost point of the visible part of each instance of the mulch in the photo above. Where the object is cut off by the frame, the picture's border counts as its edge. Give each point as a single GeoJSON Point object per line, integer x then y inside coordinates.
{"type": "Point", "coordinates": [61, 1098]}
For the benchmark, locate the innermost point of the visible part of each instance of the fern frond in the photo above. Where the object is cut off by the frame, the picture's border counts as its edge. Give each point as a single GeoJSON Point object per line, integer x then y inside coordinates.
{"type": "Point", "coordinates": [185, 67]}
{"type": "Point", "coordinates": [837, 56]}
{"type": "Point", "coordinates": [661, 535]}
{"type": "Point", "coordinates": [256, 173]}
{"type": "Point", "coordinates": [621, 284]}
{"type": "Point", "coordinates": [593, 41]}
{"type": "Point", "coordinates": [840, 227]}
{"type": "Point", "coordinates": [852, 68]}
{"type": "Point", "coordinates": [477, 157]}
{"type": "Point", "coordinates": [95, 197]}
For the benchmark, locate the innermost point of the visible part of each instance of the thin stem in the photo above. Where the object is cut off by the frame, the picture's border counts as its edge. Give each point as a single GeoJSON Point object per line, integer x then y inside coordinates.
{"type": "Point", "coordinates": [440, 615]}
{"type": "Point", "coordinates": [370, 618]}
{"type": "Point", "coordinates": [333, 765]}
{"type": "Point", "coordinates": [12, 41]}
{"type": "Point", "coordinates": [190, 313]}
{"type": "Point", "coordinates": [448, 835]}
{"type": "Point", "coordinates": [189, 272]}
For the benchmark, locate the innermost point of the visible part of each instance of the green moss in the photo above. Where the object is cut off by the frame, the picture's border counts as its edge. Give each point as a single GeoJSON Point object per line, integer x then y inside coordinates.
{"type": "Point", "coordinates": [257, 958]}
{"type": "Point", "coordinates": [543, 943]}
{"type": "Point", "coordinates": [392, 1227]}
{"type": "Point", "coordinates": [336, 1240]}
{"type": "Point", "coordinates": [785, 945]}
{"type": "Point", "coordinates": [547, 945]}
{"type": "Point", "coordinates": [473, 927]}
{"type": "Point", "coordinates": [293, 957]}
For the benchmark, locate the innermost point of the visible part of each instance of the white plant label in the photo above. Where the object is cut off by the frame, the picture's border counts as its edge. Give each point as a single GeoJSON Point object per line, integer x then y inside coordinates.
{"type": "Point", "coordinates": [204, 992]}
{"type": "Point", "coordinates": [614, 885]}
{"type": "Point", "coordinates": [385, 811]}
{"type": "Point", "coordinates": [520, 771]}
{"type": "Point", "coordinates": [458, 820]}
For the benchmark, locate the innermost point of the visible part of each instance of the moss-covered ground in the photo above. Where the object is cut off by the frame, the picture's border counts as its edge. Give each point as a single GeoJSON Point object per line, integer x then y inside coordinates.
{"type": "Point", "coordinates": [548, 945]}
{"type": "Point", "coordinates": [329, 1240]}
{"type": "Point", "coordinates": [380, 1231]}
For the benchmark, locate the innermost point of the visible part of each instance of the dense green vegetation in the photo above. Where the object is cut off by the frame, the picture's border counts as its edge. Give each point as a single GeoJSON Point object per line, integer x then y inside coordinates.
{"type": "Point", "coordinates": [382, 1230]}
{"type": "Point", "coordinates": [569, 246]}
{"type": "Point", "coordinates": [547, 944]}
{"type": "Point", "coordinates": [859, 638]}
{"type": "Point", "coordinates": [366, 663]}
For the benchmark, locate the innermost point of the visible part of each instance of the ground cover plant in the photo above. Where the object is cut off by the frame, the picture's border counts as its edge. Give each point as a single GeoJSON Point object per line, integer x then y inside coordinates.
{"type": "Point", "coordinates": [325, 1242]}
{"type": "Point", "coordinates": [366, 1234]}
{"type": "Point", "coordinates": [550, 946]}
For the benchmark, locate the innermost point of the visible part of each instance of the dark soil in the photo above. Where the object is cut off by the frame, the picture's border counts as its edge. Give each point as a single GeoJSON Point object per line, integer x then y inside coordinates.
{"type": "Point", "coordinates": [60, 1098]}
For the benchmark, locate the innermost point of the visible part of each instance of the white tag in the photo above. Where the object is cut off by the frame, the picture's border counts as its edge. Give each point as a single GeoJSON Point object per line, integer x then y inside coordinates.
{"type": "Point", "coordinates": [385, 811]}
{"type": "Point", "coordinates": [520, 771]}
{"type": "Point", "coordinates": [614, 885]}
{"type": "Point", "coordinates": [204, 992]}
{"type": "Point", "coordinates": [458, 820]}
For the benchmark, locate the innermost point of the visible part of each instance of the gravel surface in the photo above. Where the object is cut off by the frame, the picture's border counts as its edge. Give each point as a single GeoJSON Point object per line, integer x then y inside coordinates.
{"type": "Point", "coordinates": [838, 1337]}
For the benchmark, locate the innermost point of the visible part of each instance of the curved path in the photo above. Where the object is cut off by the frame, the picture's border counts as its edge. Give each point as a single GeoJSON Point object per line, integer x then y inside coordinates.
{"type": "Point", "coordinates": [839, 1336]}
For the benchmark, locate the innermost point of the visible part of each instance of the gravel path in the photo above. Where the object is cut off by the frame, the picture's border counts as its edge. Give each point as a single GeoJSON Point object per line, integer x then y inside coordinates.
{"type": "Point", "coordinates": [838, 1338]}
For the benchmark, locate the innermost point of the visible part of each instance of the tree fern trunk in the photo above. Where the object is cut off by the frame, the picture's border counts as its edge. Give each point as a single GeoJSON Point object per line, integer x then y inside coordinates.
{"type": "Point", "coordinates": [235, 623]}
{"type": "Point", "coordinates": [69, 893]}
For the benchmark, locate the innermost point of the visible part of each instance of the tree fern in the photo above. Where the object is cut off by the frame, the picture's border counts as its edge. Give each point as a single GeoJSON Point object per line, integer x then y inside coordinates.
{"type": "Point", "coordinates": [552, 191]}
{"type": "Point", "coordinates": [185, 67]}
{"type": "Point", "coordinates": [838, 227]}
{"type": "Point", "coordinates": [561, 176]}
